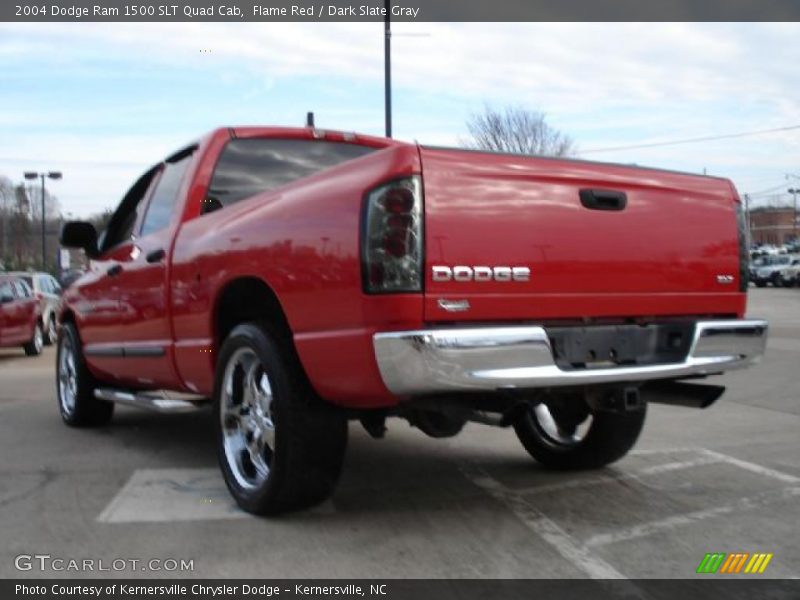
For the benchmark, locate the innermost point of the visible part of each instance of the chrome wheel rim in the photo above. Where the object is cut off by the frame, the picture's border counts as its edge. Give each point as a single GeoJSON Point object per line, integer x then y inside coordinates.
{"type": "Point", "coordinates": [38, 339]}
{"type": "Point", "coordinates": [556, 434]}
{"type": "Point", "coordinates": [67, 377]}
{"type": "Point", "coordinates": [248, 429]}
{"type": "Point", "coordinates": [51, 330]}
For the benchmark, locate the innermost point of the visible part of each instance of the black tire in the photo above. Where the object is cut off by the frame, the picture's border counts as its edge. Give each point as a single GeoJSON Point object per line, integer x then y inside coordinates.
{"type": "Point", "coordinates": [308, 436]}
{"type": "Point", "coordinates": [761, 283]}
{"type": "Point", "coordinates": [610, 436]}
{"type": "Point", "coordinates": [76, 401]}
{"type": "Point", "coordinates": [34, 346]}
{"type": "Point", "coordinates": [776, 280]}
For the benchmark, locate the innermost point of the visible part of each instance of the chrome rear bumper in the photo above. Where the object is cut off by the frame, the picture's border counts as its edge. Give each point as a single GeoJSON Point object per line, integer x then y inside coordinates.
{"type": "Point", "coordinates": [492, 358]}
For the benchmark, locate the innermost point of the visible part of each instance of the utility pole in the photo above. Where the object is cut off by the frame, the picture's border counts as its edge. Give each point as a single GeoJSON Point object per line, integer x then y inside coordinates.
{"type": "Point", "coordinates": [794, 192]}
{"type": "Point", "coordinates": [747, 219]}
{"type": "Point", "coordinates": [387, 66]}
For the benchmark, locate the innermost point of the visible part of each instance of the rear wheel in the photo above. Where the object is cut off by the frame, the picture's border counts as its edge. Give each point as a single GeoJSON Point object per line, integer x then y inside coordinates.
{"type": "Point", "coordinates": [567, 435]}
{"type": "Point", "coordinates": [280, 446]}
{"type": "Point", "coordinates": [34, 346]}
{"type": "Point", "coordinates": [75, 385]}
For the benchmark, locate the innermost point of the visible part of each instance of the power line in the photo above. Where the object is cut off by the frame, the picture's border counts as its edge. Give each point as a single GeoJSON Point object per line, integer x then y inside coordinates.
{"type": "Point", "coordinates": [693, 140]}
{"type": "Point", "coordinates": [768, 192]}
{"type": "Point", "coordinates": [91, 163]}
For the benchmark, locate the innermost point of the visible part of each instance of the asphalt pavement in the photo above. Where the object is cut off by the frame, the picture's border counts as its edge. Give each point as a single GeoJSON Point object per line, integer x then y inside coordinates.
{"type": "Point", "coordinates": [147, 487]}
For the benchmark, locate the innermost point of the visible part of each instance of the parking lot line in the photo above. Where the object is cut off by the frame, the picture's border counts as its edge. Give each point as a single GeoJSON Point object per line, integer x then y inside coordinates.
{"type": "Point", "coordinates": [673, 450]}
{"type": "Point", "coordinates": [168, 495]}
{"type": "Point", "coordinates": [752, 467]}
{"type": "Point", "coordinates": [645, 529]}
{"type": "Point", "coordinates": [616, 477]}
{"type": "Point", "coordinates": [541, 525]}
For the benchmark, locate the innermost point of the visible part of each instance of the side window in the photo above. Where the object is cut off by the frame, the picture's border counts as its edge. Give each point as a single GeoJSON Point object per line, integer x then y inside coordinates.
{"type": "Point", "coordinates": [54, 286]}
{"type": "Point", "coordinates": [162, 203]}
{"type": "Point", "coordinates": [44, 285]}
{"type": "Point", "coordinates": [120, 226]}
{"type": "Point", "coordinates": [250, 166]}
{"type": "Point", "coordinates": [23, 291]}
{"type": "Point", "coordinates": [5, 291]}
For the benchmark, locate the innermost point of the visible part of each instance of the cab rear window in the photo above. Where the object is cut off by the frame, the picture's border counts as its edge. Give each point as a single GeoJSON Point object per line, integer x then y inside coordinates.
{"type": "Point", "coordinates": [250, 166]}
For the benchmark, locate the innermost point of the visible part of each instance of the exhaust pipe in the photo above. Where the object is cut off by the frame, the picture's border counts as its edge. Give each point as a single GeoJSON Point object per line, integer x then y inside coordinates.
{"type": "Point", "coordinates": [679, 393]}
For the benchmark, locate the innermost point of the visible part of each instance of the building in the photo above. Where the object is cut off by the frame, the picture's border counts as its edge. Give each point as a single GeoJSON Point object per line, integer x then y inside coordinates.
{"type": "Point", "coordinates": [775, 226]}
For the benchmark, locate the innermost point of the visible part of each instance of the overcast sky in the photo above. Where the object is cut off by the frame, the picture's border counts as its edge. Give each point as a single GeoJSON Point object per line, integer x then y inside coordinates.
{"type": "Point", "coordinates": [102, 102]}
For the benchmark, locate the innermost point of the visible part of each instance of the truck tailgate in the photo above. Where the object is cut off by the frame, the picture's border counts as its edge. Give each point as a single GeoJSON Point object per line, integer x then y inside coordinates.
{"type": "Point", "coordinates": [639, 243]}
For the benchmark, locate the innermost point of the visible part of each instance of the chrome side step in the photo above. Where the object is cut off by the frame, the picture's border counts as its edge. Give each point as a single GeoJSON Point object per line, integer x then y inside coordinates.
{"type": "Point", "coordinates": [157, 401]}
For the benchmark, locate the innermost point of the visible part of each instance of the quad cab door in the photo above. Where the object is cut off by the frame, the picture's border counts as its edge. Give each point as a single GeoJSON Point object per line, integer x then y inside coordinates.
{"type": "Point", "coordinates": [142, 281]}
{"type": "Point", "coordinates": [95, 296]}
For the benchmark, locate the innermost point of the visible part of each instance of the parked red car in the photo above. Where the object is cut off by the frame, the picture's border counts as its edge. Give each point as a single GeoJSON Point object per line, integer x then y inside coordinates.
{"type": "Point", "coordinates": [300, 278]}
{"type": "Point", "coordinates": [20, 316]}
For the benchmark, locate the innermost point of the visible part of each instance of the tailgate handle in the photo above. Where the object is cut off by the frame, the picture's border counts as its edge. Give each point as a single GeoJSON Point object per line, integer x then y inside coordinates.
{"type": "Point", "coordinates": [603, 199]}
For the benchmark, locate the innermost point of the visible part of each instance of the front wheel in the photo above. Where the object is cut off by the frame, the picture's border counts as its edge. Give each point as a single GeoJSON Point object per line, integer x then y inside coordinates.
{"type": "Point", "coordinates": [280, 446]}
{"type": "Point", "coordinates": [568, 436]}
{"type": "Point", "coordinates": [75, 385]}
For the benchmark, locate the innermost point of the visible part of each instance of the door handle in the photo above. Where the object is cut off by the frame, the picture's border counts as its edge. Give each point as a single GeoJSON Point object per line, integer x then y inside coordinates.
{"type": "Point", "coordinates": [114, 270]}
{"type": "Point", "coordinates": [603, 199]}
{"type": "Point", "coordinates": [155, 255]}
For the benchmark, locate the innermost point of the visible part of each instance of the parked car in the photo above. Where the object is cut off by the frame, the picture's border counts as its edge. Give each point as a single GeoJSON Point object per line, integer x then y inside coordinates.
{"type": "Point", "coordinates": [790, 275]}
{"type": "Point", "coordinates": [767, 269]}
{"type": "Point", "coordinates": [20, 316]}
{"type": "Point", "coordinates": [48, 291]}
{"type": "Point", "coordinates": [301, 278]}
{"type": "Point", "coordinates": [68, 277]}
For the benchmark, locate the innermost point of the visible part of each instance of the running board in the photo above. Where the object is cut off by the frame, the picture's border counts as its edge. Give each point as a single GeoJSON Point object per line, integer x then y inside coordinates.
{"type": "Point", "coordinates": [158, 402]}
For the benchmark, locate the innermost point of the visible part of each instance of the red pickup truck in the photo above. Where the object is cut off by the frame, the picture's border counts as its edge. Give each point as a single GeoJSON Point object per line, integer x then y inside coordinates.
{"type": "Point", "coordinates": [299, 278]}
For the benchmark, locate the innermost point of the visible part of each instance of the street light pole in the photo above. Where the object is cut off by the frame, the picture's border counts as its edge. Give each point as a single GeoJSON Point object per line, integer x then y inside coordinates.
{"type": "Point", "coordinates": [794, 192]}
{"type": "Point", "coordinates": [43, 175]}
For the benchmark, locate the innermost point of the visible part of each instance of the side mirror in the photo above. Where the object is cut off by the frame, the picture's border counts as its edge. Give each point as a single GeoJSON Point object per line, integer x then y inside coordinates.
{"type": "Point", "coordinates": [79, 234]}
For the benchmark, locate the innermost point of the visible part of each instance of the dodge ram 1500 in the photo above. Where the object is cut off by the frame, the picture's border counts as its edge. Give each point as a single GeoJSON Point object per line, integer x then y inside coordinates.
{"type": "Point", "coordinates": [297, 279]}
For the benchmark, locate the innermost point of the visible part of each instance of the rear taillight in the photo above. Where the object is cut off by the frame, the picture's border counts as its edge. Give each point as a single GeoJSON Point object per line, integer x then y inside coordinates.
{"type": "Point", "coordinates": [391, 249]}
{"type": "Point", "coordinates": [744, 255]}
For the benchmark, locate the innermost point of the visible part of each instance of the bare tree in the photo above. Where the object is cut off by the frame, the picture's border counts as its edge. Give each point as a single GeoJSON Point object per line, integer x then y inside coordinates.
{"type": "Point", "coordinates": [100, 220]}
{"type": "Point", "coordinates": [516, 130]}
{"type": "Point", "coordinates": [6, 202]}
